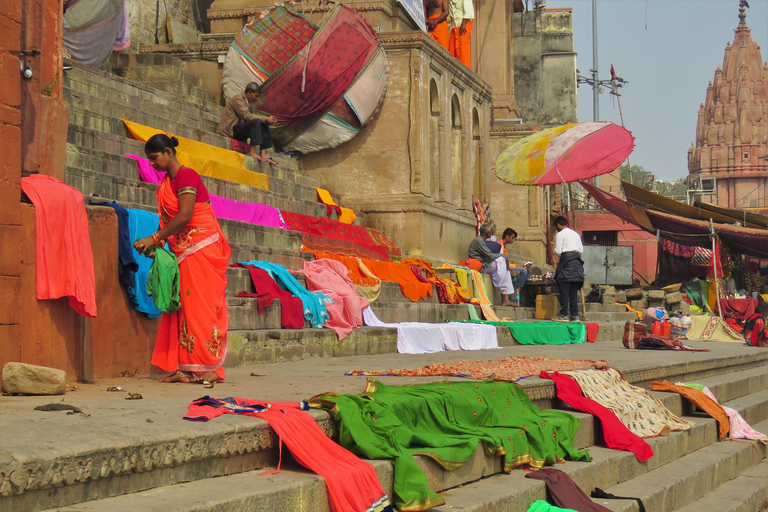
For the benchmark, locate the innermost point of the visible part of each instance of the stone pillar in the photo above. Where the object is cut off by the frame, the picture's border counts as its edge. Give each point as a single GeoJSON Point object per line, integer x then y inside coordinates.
{"type": "Point", "coordinates": [10, 181]}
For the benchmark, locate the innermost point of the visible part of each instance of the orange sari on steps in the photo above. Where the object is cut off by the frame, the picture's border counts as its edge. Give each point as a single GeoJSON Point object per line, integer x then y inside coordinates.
{"type": "Point", "coordinates": [194, 339]}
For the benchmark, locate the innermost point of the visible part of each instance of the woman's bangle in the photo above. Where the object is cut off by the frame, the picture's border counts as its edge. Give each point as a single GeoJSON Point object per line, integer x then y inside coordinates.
{"type": "Point", "coordinates": [156, 239]}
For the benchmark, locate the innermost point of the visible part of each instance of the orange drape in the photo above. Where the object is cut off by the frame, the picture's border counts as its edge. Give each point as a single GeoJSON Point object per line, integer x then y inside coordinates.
{"type": "Point", "coordinates": [355, 274]}
{"type": "Point", "coordinates": [700, 400]}
{"type": "Point", "coordinates": [454, 294]}
{"type": "Point", "coordinates": [441, 34]}
{"type": "Point", "coordinates": [459, 44]}
{"type": "Point", "coordinates": [402, 274]}
{"type": "Point", "coordinates": [194, 339]}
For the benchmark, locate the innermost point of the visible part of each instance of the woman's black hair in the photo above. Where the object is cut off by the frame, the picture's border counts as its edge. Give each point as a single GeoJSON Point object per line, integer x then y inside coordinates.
{"type": "Point", "coordinates": [159, 142]}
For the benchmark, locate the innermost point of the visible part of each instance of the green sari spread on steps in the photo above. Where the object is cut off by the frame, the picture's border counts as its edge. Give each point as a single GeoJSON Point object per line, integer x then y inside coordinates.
{"type": "Point", "coordinates": [541, 333]}
{"type": "Point", "coordinates": [446, 421]}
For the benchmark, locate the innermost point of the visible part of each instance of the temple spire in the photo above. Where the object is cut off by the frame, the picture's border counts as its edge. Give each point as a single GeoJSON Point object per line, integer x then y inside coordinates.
{"type": "Point", "coordinates": [743, 10]}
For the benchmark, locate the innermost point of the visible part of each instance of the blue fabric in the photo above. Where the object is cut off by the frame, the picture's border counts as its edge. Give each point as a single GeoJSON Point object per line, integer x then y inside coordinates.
{"type": "Point", "coordinates": [141, 224]}
{"type": "Point", "coordinates": [126, 259]}
{"type": "Point", "coordinates": [495, 247]}
{"type": "Point", "coordinates": [314, 302]}
{"type": "Point", "coordinates": [521, 278]}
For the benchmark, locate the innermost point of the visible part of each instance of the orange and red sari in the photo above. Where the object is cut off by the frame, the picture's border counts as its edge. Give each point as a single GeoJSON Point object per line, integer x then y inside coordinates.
{"type": "Point", "coordinates": [194, 339]}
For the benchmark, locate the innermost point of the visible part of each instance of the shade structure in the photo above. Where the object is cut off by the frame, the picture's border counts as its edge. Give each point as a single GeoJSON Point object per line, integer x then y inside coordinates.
{"type": "Point", "coordinates": [322, 83]}
{"type": "Point", "coordinates": [565, 154]}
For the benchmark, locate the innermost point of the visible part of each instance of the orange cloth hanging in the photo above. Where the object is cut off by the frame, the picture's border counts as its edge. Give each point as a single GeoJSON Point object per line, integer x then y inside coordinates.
{"type": "Point", "coordinates": [401, 274]}
{"type": "Point", "coordinates": [194, 339]}
{"type": "Point", "coordinates": [700, 400]}
{"type": "Point", "coordinates": [64, 259]}
{"type": "Point", "coordinates": [459, 44]}
{"type": "Point", "coordinates": [441, 34]}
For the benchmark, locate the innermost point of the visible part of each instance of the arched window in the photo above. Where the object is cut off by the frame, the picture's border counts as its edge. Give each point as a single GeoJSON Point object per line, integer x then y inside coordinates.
{"type": "Point", "coordinates": [478, 185]}
{"type": "Point", "coordinates": [457, 152]}
{"type": "Point", "coordinates": [434, 140]}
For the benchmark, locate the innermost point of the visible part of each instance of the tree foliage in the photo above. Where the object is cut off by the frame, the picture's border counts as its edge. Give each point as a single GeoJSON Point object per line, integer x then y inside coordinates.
{"type": "Point", "coordinates": [638, 176]}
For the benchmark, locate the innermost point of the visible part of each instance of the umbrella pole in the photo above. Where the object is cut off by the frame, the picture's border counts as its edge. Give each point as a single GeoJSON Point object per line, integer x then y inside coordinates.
{"type": "Point", "coordinates": [714, 266]}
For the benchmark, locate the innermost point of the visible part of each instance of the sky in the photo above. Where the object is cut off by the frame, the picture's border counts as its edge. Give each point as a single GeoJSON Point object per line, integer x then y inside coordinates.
{"type": "Point", "coordinates": [668, 51]}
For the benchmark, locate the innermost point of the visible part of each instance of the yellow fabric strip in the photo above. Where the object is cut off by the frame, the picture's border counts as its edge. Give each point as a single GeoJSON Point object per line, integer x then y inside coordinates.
{"type": "Point", "coordinates": [369, 293]}
{"type": "Point", "coordinates": [325, 196]}
{"type": "Point", "coordinates": [485, 303]}
{"type": "Point", "coordinates": [347, 215]}
{"type": "Point", "coordinates": [206, 159]}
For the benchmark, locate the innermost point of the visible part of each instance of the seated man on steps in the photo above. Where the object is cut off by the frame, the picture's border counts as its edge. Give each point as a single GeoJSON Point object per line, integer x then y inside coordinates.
{"type": "Point", "coordinates": [239, 123]}
{"type": "Point", "coordinates": [522, 273]}
{"type": "Point", "coordinates": [494, 263]}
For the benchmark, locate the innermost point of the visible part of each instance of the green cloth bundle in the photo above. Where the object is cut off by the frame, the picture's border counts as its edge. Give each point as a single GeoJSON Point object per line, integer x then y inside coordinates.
{"type": "Point", "coordinates": [446, 421]}
{"type": "Point", "coordinates": [163, 281]}
{"type": "Point", "coordinates": [541, 333]}
{"type": "Point", "coordinates": [543, 506]}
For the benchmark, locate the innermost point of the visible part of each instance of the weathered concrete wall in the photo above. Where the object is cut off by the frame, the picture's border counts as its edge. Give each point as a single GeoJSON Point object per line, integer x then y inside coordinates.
{"type": "Point", "coordinates": [118, 340]}
{"type": "Point", "coordinates": [545, 67]}
{"type": "Point", "coordinates": [147, 20]}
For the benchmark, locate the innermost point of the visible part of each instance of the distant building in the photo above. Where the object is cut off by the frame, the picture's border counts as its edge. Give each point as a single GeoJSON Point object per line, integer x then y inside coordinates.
{"type": "Point", "coordinates": [727, 162]}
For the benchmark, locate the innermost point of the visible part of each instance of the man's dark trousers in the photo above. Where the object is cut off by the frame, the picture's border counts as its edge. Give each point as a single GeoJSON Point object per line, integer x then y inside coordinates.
{"type": "Point", "coordinates": [255, 130]}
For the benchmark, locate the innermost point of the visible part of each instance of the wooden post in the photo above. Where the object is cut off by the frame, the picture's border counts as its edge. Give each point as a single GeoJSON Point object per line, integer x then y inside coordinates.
{"type": "Point", "coordinates": [714, 265]}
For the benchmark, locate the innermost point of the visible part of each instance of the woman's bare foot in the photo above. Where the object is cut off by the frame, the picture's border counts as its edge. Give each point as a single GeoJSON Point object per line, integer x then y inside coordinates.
{"type": "Point", "coordinates": [176, 376]}
{"type": "Point", "coordinates": [209, 377]}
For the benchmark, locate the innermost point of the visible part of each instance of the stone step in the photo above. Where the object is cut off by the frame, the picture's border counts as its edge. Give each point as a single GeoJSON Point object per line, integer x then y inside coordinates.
{"type": "Point", "coordinates": [120, 451]}
{"type": "Point", "coordinates": [601, 317]}
{"type": "Point", "coordinates": [292, 259]}
{"type": "Point", "coordinates": [88, 140]}
{"type": "Point", "coordinates": [610, 331]}
{"type": "Point", "coordinates": [170, 79]}
{"type": "Point", "coordinates": [748, 492]}
{"type": "Point", "coordinates": [605, 308]}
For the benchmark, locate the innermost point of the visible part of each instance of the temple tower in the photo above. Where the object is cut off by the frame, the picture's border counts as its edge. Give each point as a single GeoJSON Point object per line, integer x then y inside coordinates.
{"type": "Point", "coordinates": [727, 162]}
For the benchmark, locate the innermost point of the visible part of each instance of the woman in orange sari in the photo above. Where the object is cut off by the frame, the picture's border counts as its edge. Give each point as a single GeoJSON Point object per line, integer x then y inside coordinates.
{"type": "Point", "coordinates": [192, 342]}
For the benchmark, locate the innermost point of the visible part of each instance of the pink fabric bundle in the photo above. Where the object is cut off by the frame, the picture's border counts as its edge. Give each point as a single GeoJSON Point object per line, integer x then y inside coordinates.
{"type": "Point", "coordinates": [224, 208]}
{"type": "Point", "coordinates": [330, 278]}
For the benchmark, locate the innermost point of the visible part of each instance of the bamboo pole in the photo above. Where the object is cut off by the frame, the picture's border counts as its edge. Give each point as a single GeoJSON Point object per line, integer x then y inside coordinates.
{"type": "Point", "coordinates": [713, 235]}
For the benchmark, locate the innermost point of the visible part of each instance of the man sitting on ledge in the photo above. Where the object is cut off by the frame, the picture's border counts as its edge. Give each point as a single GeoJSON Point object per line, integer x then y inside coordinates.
{"type": "Point", "coordinates": [524, 272]}
{"type": "Point", "coordinates": [239, 123]}
{"type": "Point", "coordinates": [495, 264]}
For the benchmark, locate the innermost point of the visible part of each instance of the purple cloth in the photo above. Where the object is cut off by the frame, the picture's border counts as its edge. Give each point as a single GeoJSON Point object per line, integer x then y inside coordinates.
{"type": "Point", "coordinates": [224, 208]}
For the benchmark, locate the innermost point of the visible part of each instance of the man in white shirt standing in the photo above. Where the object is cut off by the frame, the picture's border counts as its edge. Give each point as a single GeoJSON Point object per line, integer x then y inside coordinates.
{"type": "Point", "coordinates": [569, 274]}
{"type": "Point", "coordinates": [463, 14]}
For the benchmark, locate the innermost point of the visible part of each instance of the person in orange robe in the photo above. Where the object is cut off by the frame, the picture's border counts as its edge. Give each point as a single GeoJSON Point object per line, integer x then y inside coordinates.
{"type": "Point", "coordinates": [192, 342]}
{"type": "Point", "coordinates": [436, 12]}
{"type": "Point", "coordinates": [463, 14]}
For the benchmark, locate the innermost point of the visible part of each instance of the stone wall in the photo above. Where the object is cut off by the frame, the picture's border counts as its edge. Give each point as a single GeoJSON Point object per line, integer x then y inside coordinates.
{"type": "Point", "coordinates": [545, 67]}
{"type": "Point", "coordinates": [147, 19]}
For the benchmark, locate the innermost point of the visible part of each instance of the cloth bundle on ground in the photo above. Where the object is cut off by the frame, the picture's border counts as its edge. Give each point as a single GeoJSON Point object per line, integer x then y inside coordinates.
{"type": "Point", "coordinates": [740, 309]}
{"type": "Point", "coordinates": [448, 422]}
{"type": "Point", "coordinates": [640, 411]}
{"type": "Point", "coordinates": [142, 224]}
{"type": "Point", "coordinates": [314, 303]}
{"type": "Point", "coordinates": [543, 506]}
{"type": "Point", "coordinates": [163, 281]}
{"type": "Point", "coordinates": [207, 160]}
{"type": "Point", "coordinates": [224, 208]}
{"type": "Point", "coordinates": [447, 291]}
{"type": "Point", "coordinates": [541, 333]}
{"type": "Point", "coordinates": [351, 482]}
{"type": "Point", "coordinates": [401, 274]}
{"type": "Point", "coordinates": [368, 285]}
{"type": "Point", "coordinates": [267, 290]}
{"type": "Point", "coordinates": [508, 369]}
{"type": "Point", "coordinates": [739, 428]}
{"type": "Point", "coordinates": [615, 434]}
{"type": "Point", "coordinates": [322, 83]}
{"type": "Point", "coordinates": [565, 492]}
{"type": "Point", "coordinates": [63, 255]}
{"type": "Point", "coordinates": [93, 29]}
{"type": "Point", "coordinates": [346, 215]}
{"type": "Point", "coordinates": [700, 400]}
{"type": "Point", "coordinates": [712, 328]}
{"type": "Point", "coordinates": [329, 277]}
{"type": "Point", "coordinates": [326, 235]}
{"type": "Point", "coordinates": [659, 342]}
{"type": "Point", "coordinates": [427, 338]}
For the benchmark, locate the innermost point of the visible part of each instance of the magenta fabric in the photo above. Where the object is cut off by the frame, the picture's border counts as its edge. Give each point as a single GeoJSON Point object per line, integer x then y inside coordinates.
{"type": "Point", "coordinates": [224, 208]}
{"type": "Point", "coordinates": [615, 434]}
{"type": "Point", "coordinates": [330, 278]}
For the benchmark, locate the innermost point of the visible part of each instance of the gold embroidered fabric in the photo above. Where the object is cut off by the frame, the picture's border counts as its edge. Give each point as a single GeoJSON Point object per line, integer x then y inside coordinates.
{"type": "Point", "coordinates": [186, 190]}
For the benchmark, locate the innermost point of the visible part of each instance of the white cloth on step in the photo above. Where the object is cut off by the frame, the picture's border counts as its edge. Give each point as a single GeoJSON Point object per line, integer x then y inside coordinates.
{"type": "Point", "coordinates": [426, 338]}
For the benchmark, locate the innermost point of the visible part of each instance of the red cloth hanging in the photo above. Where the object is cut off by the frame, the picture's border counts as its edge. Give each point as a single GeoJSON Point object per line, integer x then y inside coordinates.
{"type": "Point", "coordinates": [64, 259]}
{"type": "Point", "coordinates": [267, 290]}
{"type": "Point", "coordinates": [615, 434]}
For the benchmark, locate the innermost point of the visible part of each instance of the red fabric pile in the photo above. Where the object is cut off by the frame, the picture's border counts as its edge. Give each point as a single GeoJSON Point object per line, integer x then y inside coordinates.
{"type": "Point", "coordinates": [267, 290]}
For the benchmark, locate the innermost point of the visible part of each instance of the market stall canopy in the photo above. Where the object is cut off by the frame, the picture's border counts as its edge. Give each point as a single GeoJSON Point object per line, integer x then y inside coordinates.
{"type": "Point", "coordinates": [746, 218]}
{"type": "Point", "coordinates": [322, 83]}
{"type": "Point", "coordinates": [619, 207]}
{"type": "Point", "coordinates": [565, 154]}
{"type": "Point", "coordinates": [95, 28]}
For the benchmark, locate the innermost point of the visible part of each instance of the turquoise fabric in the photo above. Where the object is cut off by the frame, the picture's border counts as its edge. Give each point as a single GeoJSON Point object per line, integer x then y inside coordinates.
{"type": "Point", "coordinates": [140, 224]}
{"type": "Point", "coordinates": [163, 281]}
{"type": "Point", "coordinates": [313, 302]}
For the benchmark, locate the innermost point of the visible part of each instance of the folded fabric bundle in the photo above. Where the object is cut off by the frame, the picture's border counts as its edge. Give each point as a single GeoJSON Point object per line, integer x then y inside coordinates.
{"type": "Point", "coordinates": [351, 482]}
{"type": "Point", "coordinates": [508, 369]}
{"type": "Point", "coordinates": [565, 492]}
{"type": "Point", "coordinates": [63, 255]}
{"type": "Point", "coordinates": [163, 281]}
{"type": "Point", "coordinates": [401, 274]}
{"type": "Point", "coordinates": [640, 411]}
{"type": "Point", "coordinates": [615, 434]}
{"type": "Point", "coordinates": [448, 421]}
{"type": "Point", "coordinates": [543, 506]}
{"type": "Point", "coordinates": [329, 277]}
{"type": "Point", "coordinates": [541, 333]}
{"type": "Point", "coordinates": [426, 338]}
{"type": "Point", "coordinates": [224, 208]}
{"type": "Point", "coordinates": [313, 303]}
{"type": "Point", "coordinates": [206, 159]}
{"type": "Point", "coordinates": [267, 290]}
{"type": "Point", "coordinates": [739, 428]}
{"type": "Point", "coordinates": [700, 400]}
{"type": "Point", "coordinates": [142, 224]}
